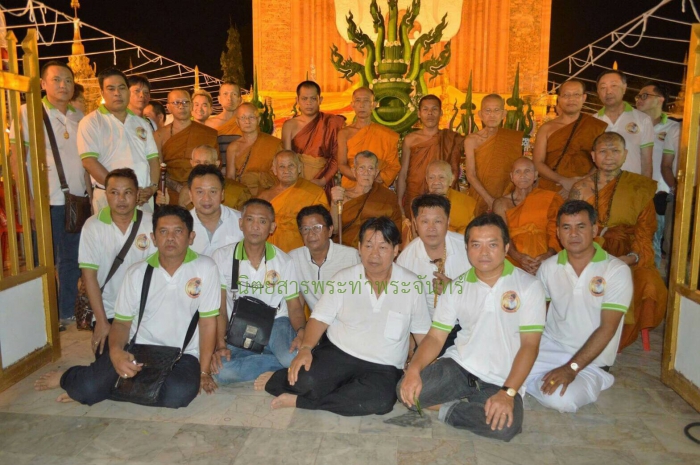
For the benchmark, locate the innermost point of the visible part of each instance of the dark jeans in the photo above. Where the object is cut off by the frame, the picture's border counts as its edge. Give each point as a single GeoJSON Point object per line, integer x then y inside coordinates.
{"type": "Point", "coordinates": [446, 381]}
{"type": "Point", "coordinates": [340, 383]}
{"type": "Point", "coordinates": [92, 384]}
{"type": "Point", "coordinates": [65, 256]}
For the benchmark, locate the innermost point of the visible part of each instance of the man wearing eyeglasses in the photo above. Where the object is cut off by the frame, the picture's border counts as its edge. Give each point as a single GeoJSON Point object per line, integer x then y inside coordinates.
{"type": "Point", "coordinates": [651, 100]}
{"type": "Point", "coordinates": [177, 140]}
{"type": "Point", "coordinates": [249, 158]}
{"type": "Point", "coordinates": [562, 152]}
{"type": "Point", "coordinates": [635, 126]}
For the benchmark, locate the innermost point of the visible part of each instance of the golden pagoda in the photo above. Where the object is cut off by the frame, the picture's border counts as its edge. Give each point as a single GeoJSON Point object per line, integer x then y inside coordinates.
{"type": "Point", "coordinates": [80, 64]}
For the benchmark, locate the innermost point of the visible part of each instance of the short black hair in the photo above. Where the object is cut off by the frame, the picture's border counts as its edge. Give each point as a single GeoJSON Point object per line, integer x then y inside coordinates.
{"type": "Point", "coordinates": [203, 170]}
{"type": "Point", "coordinates": [430, 201]}
{"type": "Point", "coordinates": [109, 72]}
{"type": "Point", "coordinates": [385, 226]}
{"type": "Point", "coordinates": [611, 71]}
{"type": "Point", "coordinates": [574, 207]}
{"type": "Point", "coordinates": [261, 202]}
{"type": "Point", "coordinates": [139, 79]}
{"type": "Point", "coordinates": [660, 89]}
{"type": "Point", "coordinates": [428, 97]}
{"type": "Point", "coordinates": [310, 84]}
{"type": "Point", "coordinates": [315, 210]}
{"type": "Point", "coordinates": [488, 219]}
{"type": "Point", "coordinates": [127, 173]}
{"type": "Point", "coordinates": [173, 210]}
{"type": "Point", "coordinates": [60, 64]}
{"type": "Point", "coordinates": [78, 90]}
{"type": "Point", "coordinates": [158, 108]}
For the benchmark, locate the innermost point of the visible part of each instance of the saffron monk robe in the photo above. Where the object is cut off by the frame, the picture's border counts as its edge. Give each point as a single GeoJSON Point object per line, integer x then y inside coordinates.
{"type": "Point", "coordinates": [314, 136]}
{"type": "Point", "coordinates": [177, 140]}
{"type": "Point", "coordinates": [489, 154]}
{"type": "Point", "coordinates": [562, 152]}
{"type": "Point", "coordinates": [288, 197]}
{"type": "Point", "coordinates": [363, 134]}
{"type": "Point", "coordinates": [626, 222]}
{"type": "Point", "coordinates": [421, 148]}
{"type": "Point", "coordinates": [249, 158]}
{"type": "Point", "coordinates": [367, 199]}
{"type": "Point", "coordinates": [531, 215]}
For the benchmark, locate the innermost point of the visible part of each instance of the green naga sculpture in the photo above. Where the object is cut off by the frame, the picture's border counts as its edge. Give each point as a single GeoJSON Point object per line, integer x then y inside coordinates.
{"type": "Point", "coordinates": [467, 123]}
{"type": "Point", "coordinates": [267, 113]}
{"type": "Point", "coordinates": [392, 67]}
{"type": "Point", "coordinates": [518, 119]}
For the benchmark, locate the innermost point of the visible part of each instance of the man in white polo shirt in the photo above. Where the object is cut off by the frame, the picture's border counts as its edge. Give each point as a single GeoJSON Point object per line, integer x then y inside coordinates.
{"type": "Point", "coordinates": [182, 284]}
{"type": "Point", "coordinates": [268, 274]}
{"type": "Point", "coordinates": [479, 383]}
{"type": "Point", "coordinates": [589, 292]}
{"type": "Point", "coordinates": [667, 133]}
{"type": "Point", "coordinates": [632, 124]}
{"type": "Point", "coordinates": [114, 137]}
{"type": "Point", "coordinates": [355, 368]}
{"type": "Point", "coordinates": [320, 258]}
{"type": "Point", "coordinates": [437, 255]}
{"type": "Point", "coordinates": [215, 225]}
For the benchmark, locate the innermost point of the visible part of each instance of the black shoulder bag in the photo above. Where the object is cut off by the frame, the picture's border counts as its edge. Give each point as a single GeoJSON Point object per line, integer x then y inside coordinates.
{"type": "Point", "coordinates": [251, 320]}
{"type": "Point", "coordinates": [158, 361]}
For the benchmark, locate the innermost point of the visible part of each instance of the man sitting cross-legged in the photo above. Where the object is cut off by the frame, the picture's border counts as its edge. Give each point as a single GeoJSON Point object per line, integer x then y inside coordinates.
{"type": "Point", "coordinates": [478, 384]}
{"type": "Point", "coordinates": [589, 293]}
{"type": "Point", "coordinates": [354, 370]}
{"type": "Point", "coordinates": [182, 283]}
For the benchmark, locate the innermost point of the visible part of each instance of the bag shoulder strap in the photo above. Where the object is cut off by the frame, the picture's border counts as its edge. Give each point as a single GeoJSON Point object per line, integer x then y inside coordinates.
{"type": "Point", "coordinates": [54, 150]}
{"type": "Point", "coordinates": [234, 269]}
{"type": "Point", "coordinates": [119, 259]}
{"type": "Point", "coordinates": [566, 146]}
{"type": "Point", "coordinates": [144, 296]}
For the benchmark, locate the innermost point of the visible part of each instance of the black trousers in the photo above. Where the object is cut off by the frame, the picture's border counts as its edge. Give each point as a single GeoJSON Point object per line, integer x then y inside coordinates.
{"type": "Point", "coordinates": [340, 383]}
{"type": "Point", "coordinates": [93, 383]}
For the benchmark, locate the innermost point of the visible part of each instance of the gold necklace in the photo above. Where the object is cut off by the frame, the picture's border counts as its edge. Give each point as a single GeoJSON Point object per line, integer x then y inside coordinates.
{"type": "Point", "coordinates": [440, 263]}
{"type": "Point", "coordinates": [65, 129]}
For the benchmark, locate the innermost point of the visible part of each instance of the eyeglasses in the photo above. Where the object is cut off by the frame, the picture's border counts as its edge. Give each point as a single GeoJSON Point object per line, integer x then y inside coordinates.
{"type": "Point", "coordinates": [645, 96]}
{"type": "Point", "coordinates": [571, 96]}
{"type": "Point", "coordinates": [317, 228]}
{"type": "Point", "coordinates": [180, 103]}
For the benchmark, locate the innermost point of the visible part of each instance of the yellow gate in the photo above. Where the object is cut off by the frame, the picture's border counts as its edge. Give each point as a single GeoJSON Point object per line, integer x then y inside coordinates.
{"type": "Point", "coordinates": [28, 316]}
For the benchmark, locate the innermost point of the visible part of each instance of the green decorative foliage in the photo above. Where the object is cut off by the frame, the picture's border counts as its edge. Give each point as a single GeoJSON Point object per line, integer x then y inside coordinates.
{"type": "Point", "coordinates": [519, 119]}
{"type": "Point", "coordinates": [232, 59]}
{"type": "Point", "coordinates": [267, 113]}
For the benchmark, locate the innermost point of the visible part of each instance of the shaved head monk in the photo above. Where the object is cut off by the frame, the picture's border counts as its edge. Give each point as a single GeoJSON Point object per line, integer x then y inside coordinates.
{"type": "Point", "coordinates": [490, 153]}
{"type": "Point", "coordinates": [288, 196]}
{"type": "Point", "coordinates": [249, 158]}
{"type": "Point", "coordinates": [531, 215]}
{"type": "Point", "coordinates": [422, 147]}
{"type": "Point", "coordinates": [439, 179]}
{"type": "Point", "coordinates": [229, 99]}
{"type": "Point", "coordinates": [176, 141]}
{"type": "Point", "coordinates": [363, 134]}
{"type": "Point", "coordinates": [562, 152]}
{"type": "Point", "coordinates": [314, 136]}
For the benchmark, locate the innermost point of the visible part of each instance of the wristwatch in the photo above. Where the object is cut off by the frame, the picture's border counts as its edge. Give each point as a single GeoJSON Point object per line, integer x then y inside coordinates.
{"type": "Point", "coordinates": [574, 366]}
{"type": "Point", "coordinates": [509, 391]}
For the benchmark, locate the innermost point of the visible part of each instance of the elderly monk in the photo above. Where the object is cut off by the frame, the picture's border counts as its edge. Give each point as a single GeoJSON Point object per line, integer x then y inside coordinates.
{"type": "Point", "coordinates": [439, 178]}
{"type": "Point", "coordinates": [202, 105]}
{"type": "Point", "coordinates": [290, 194]}
{"type": "Point", "coordinates": [531, 215]}
{"type": "Point", "coordinates": [249, 158]}
{"type": "Point", "coordinates": [363, 134]}
{"type": "Point", "coordinates": [367, 199]}
{"type": "Point", "coordinates": [229, 99]}
{"type": "Point", "coordinates": [627, 222]}
{"type": "Point", "coordinates": [490, 153]}
{"type": "Point", "coordinates": [176, 141]}
{"type": "Point", "coordinates": [562, 152]}
{"type": "Point", "coordinates": [422, 147]}
{"type": "Point", "coordinates": [314, 136]}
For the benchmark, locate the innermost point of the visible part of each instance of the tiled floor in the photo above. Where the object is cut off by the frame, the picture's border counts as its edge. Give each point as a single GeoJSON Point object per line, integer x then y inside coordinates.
{"type": "Point", "coordinates": [638, 421]}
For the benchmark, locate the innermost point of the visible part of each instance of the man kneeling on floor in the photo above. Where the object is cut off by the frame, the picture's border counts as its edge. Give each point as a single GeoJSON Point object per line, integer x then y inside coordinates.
{"type": "Point", "coordinates": [354, 370]}
{"type": "Point", "coordinates": [589, 293]}
{"type": "Point", "coordinates": [181, 284]}
{"type": "Point", "coordinates": [478, 384]}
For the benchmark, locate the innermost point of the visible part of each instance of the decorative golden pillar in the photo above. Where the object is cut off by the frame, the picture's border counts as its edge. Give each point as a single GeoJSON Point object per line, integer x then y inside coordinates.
{"type": "Point", "coordinates": [80, 64]}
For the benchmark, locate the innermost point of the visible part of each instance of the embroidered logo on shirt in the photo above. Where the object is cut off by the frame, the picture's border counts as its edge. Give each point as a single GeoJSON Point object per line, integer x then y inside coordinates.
{"type": "Point", "coordinates": [632, 128]}
{"type": "Point", "coordinates": [141, 133]}
{"type": "Point", "coordinates": [661, 136]}
{"type": "Point", "coordinates": [194, 287]}
{"type": "Point", "coordinates": [141, 242]}
{"type": "Point", "coordinates": [510, 302]}
{"type": "Point", "coordinates": [272, 277]}
{"type": "Point", "coordinates": [597, 286]}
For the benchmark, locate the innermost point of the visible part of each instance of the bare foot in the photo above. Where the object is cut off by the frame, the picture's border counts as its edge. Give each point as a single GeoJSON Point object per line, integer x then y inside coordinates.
{"type": "Point", "coordinates": [64, 398]}
{"type": "Point", "coordinates": [259, 384]}
{"type": "Point", "coordinates": [50, 380]}
{"type": "Point", "coordinates": [284, 401]}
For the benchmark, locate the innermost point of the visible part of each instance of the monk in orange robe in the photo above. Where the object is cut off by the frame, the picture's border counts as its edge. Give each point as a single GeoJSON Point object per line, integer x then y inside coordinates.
{"type": "Point", "coordinates": [290, 194]}
{"type": "Point", "coordinates": [363, 134]}
{"type": "Point", "coordinates": [177, 140]}
{"type": "Point", "coordinates": [562, 152]}
{"type": "Point", "coordinates": [249, 158]}
{"type": "Point", "coordinates": [367, 199]}
{"type": "Point", "coordinates": [439, 178]}
{"type": "Point", "coordinates": [626, 222]}
{"type": "Point", "coordinates": [490, 153]}
{"type": "Point", "coordinates": [531, 215]}
{"type": "Point", "coordinates": [422, 147]}
{"type": "Point", "coordinates": [229, 99]}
